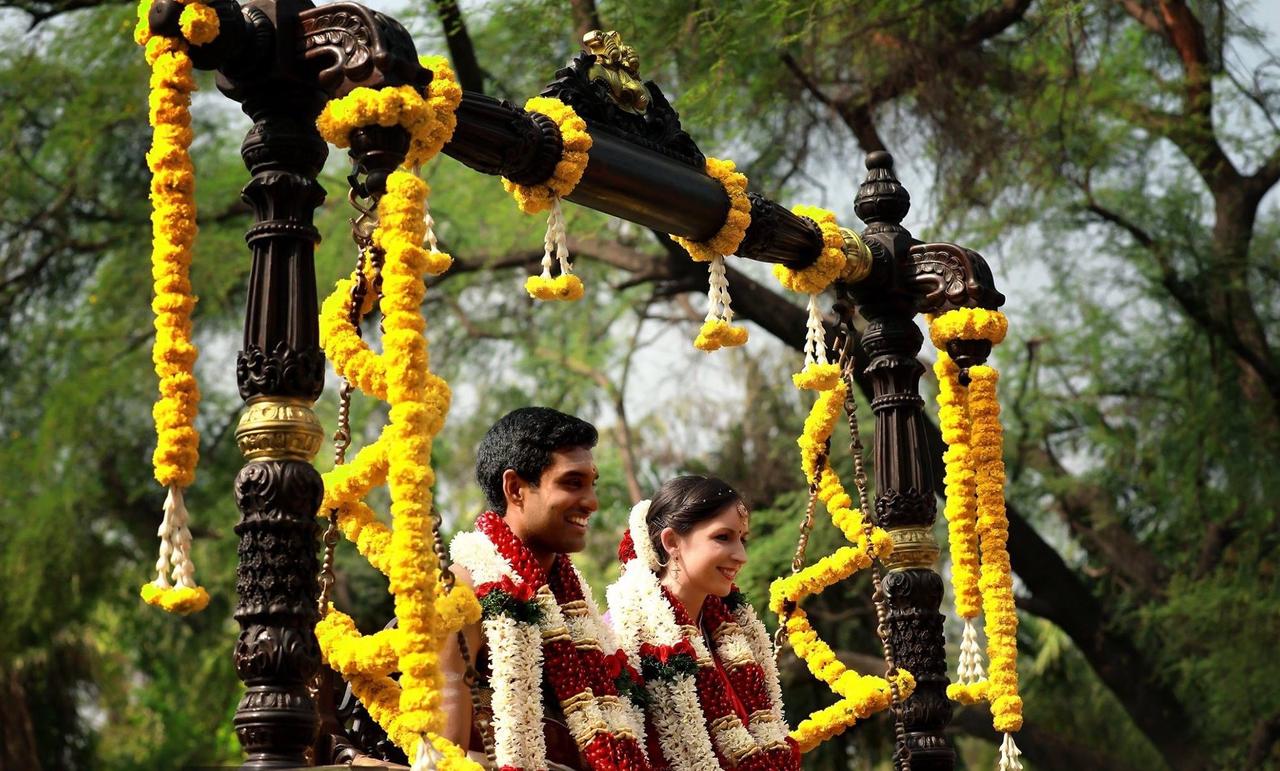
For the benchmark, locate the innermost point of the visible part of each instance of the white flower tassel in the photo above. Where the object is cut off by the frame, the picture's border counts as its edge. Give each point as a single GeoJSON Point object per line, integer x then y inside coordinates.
{"type": "Point", "coordinates": [183, 595]}
{"type": "Point", "coordinates": [815, 338]}
{"type": "Point", "coordinates": [179, 540]}
{"type": "Point", "coordinates": [555, 245]}
{"type": "Point", "coordinates": [717, 328]}
{"type": "Point", "coordinates": [818, 374]}
{"type": "Point", "coordinates": [426, 757]}
{"type": "Point", "coordinates": [970, 668]}
{"type": "Point", "coordinates": [1009, 754]}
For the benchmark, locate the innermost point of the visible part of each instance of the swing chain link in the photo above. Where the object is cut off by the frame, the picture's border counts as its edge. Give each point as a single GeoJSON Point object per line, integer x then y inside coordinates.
{"type": "Point", "coordinates": [902, 757]}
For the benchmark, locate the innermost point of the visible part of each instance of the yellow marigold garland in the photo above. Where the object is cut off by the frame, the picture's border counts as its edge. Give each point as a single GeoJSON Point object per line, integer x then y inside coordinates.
{"type": "Point", "coordinates": [173, 223]}
{"type": "Point", "coordinates": [409, 710]}
{"type": "Point", "coordinates": [717, 328]}
{"type": "Point", "coordinates": [970, 420]}
{"type": "Point", "coordinates": [576, 143]}
{"type": "Point", "coordinates": [818, 374]}
{"type": "Point", "coordinates": [727, 239]}
{"type": "Point", "coordinates": [831, 260]}
{"type": "Point", "coordinates": [545, 196]}
{"type": "Point", "coordinates": [861, 696]}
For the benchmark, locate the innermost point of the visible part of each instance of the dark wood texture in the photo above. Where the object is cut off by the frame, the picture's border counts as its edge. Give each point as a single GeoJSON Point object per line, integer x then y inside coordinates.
{"type": "Point", "coordinates": [904, 495]}
{"type": "Point", "coordinates": [276, 654]}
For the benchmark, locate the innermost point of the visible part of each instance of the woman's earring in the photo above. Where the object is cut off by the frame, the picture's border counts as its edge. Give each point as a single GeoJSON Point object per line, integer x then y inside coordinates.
{"type": "Point", "coordinates": [675, 568]}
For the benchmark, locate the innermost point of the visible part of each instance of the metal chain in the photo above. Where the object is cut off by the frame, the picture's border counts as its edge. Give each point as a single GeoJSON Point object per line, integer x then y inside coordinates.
{"type": "Point", "coordinates": [472, 676]}
{"type": "Point", "coordinates": [902, 757]}
{"type": "Point", "coordinates": [802, 545]}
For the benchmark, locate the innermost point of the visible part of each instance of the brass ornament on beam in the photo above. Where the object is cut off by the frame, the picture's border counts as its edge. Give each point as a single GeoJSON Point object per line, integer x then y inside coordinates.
{"type": "Point", "coordinates": [279, 429]}
{"type": "Point", "coordinates": [857, 256]}
{"type": "Point", "coordinates": [618, 67]}
{"type": "Point", "coordinates": [913, 548]}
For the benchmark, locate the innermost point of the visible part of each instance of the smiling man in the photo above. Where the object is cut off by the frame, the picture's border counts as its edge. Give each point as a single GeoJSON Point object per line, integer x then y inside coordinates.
{"type": "Point", "coordinates": [548, 668]}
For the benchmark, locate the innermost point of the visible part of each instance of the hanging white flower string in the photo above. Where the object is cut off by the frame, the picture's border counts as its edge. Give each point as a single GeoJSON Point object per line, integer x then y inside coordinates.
{"type": "Point", "coordinates": [175, 561]}
{"type": "Point", "coordinates": [555, 244]}
{"type": "Point", "coordinates": [818, 374]}
{"type": "Point", "coordinates": [970, 666]}
{"type": "Point", "coordinates": [717, 327]}
{"type": "Point", "coordinates": [1009, 754]}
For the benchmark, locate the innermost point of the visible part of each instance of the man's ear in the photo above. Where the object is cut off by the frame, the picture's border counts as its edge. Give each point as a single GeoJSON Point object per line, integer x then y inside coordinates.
{"type": "Point", "coordinates": [513, 489]}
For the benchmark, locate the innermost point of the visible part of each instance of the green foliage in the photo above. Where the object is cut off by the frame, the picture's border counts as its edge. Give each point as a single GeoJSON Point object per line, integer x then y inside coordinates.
{"type": "Point", "coordinates": [1141, 444]}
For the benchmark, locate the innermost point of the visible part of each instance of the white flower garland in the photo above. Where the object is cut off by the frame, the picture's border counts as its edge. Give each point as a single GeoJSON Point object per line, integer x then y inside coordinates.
{"type": "Point", "coordinates": [641, 615]}
{"type": "Point", "coordinates": [516, 663]}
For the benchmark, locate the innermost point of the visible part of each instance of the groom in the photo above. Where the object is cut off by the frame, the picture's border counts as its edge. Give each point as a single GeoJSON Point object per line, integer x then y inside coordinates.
{"type": "Point", "coordinates": [544, 657]}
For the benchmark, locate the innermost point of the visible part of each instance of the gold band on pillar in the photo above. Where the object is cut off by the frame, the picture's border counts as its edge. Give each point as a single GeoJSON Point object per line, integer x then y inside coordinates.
{"type": "Point", "coordinates": [279, 428]}
{"type": "Point", "coordinates": [913, 548]}
{"type": "Point", "coordinates": [857, 257]}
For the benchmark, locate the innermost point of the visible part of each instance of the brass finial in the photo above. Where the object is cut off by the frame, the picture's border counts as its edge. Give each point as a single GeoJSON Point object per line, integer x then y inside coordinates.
{"type": "Point", "coordinates": [618, 67]}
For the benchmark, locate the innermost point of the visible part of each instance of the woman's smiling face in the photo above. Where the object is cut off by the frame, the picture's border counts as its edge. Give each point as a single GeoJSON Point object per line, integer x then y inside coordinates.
{"type": "Point", "coordinates": [712, 552]}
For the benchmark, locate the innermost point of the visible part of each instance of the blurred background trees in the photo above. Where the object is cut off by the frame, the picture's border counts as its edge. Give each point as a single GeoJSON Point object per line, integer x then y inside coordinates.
{"type": "Point", "coordinates": [1112, 158]}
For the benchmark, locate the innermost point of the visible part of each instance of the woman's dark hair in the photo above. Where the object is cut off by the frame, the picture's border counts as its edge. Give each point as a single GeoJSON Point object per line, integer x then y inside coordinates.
{"type": "Point", "coordinates": [523, 440]}
{"type": "Point", "coordinates": [683, 502]}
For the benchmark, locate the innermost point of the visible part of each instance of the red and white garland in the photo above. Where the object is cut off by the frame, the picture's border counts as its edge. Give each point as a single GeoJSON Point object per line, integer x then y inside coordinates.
{"type": "Point", "coordinates": [531, 619]}
{"type": "Point", "coordinates": [681, 674]}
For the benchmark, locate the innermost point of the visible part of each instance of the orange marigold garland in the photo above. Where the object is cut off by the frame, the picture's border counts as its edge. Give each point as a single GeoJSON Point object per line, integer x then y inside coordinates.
{"type": "Point", "coordinates": [717, 328]}
{"type": "Point", "coordinates": [173, 223]}
{"type": "Point", "coordinates": [408, 710]}
{"type": "Point", "coordinates": [977, 522]}
{"type": "Point", "coordinates": [576, 144]}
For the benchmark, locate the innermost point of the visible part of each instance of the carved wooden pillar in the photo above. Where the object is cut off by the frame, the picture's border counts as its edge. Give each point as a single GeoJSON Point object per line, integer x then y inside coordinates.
{"type": "Point", "coordinates": [280, 373]}
{"type": "Point", "coordinates": [905, 504]}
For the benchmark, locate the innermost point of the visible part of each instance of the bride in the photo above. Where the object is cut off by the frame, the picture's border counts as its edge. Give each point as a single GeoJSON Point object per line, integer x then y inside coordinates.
{"type": "Point", "coordinates": [706, 660]}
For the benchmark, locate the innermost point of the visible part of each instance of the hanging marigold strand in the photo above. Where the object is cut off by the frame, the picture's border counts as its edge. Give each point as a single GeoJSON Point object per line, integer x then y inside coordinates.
{"type": "Point", "coordinates": [717, 328]}
{"type": "Point", "coordinates": [410, 710]}
{"type": "Point", "coordinates": [173, 223]}
{"type": "Point", "coordinates": [832, 265]}
{"type": "Point", "coordinates": [977, 522]}
{"type": "Point", "coordinates": [861, 696]}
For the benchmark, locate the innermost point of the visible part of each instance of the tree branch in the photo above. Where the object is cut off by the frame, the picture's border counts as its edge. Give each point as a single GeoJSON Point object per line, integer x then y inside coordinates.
{"type": "Point", "coordinates": [461, 50]}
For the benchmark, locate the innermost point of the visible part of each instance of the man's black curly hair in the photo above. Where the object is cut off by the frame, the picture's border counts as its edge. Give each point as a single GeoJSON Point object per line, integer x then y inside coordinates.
{"type": "Point", "coordinates": [523, 440]}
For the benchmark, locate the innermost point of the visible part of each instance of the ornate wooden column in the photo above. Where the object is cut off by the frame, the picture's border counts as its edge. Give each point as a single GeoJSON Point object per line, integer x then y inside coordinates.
{"type": "Point", "coordinates": [909, 278]}
{"type": "Point", "coordinates": [905, 504]}
{"type": "Point", "coordinates": [280, 373]}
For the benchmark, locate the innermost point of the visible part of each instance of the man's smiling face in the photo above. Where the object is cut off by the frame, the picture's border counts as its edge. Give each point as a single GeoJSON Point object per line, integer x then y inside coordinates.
{"type": "Point", "coordinates": [553, 514]}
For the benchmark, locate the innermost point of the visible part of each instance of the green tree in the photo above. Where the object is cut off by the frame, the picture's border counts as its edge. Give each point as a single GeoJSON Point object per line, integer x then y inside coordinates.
{"type": "Point", "coordinates": [1138, 138]}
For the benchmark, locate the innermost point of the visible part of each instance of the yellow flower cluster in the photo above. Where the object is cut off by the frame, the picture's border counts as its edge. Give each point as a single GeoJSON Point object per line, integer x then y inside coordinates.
{"type": "Point", "coordinates": [861, 695]}
{"type": "Point", "coordinates": [817, 377]}
{"type": "Point", "coordinates": [565, 286]}
{"type": "Point", "coordinates": [967, 324]}
{"type": "Point", "coordinates": [831, 263]}
{"type": "Point", "coordinates": [575, 143]}
{"type": "Point", "coordinates": [199, 24]}
{"type": "Point", "coordinates": [975, 479]}
{"type": "Point", "coordinates": [731, 233]}
{"type": "Point", "coordinates": [718, 333]}
{"type": "Point", "coordinates": [175, 599]}
{"type": "Point", "coordinates": [419, 400]}
{"type": "Point", "coordinates": [430, 119]}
